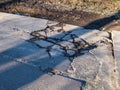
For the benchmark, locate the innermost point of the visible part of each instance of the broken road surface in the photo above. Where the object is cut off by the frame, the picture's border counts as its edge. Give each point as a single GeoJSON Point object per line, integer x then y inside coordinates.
{"type": "Point", "coordinates": [39, 54]}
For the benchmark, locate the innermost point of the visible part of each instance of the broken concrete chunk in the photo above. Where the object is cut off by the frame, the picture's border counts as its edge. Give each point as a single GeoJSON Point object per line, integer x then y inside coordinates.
{"type": "Point", "coordinates": [56, 51]}
{"type": "Point", "coordinates": [67, 44]}
{"type": "Point", "coordinates": [44, 43]}
{"type": "Point", "coordinates": [71, 52]}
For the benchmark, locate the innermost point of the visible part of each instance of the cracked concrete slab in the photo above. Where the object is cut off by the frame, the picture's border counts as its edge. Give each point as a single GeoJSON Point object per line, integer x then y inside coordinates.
{"type": "Point", "coordinates": [95, 67]}
{"type": "Point", "coordinates": [41, 54]}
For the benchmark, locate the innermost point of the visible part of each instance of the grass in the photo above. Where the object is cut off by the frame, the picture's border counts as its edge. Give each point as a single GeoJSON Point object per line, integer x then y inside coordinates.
{"type": "Point", "coordinates": [98, 6]}
{"type": "Point", "coordinates": [104, 7]}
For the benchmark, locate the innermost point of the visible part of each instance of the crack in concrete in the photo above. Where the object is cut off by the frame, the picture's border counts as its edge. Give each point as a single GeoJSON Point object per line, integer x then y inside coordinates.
{"type": "Point", "coordinates": [100, 65]}
{"type": "Point", "coordinates": [115, 74]}
{"type": "Point", "coordinates": [78, 45]}
{"type": "Point", "coordinates": [51, 71]}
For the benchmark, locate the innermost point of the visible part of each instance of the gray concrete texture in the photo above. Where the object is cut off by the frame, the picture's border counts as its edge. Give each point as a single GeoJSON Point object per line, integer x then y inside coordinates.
{"type": "Point", "coordinates": [39, 54]}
